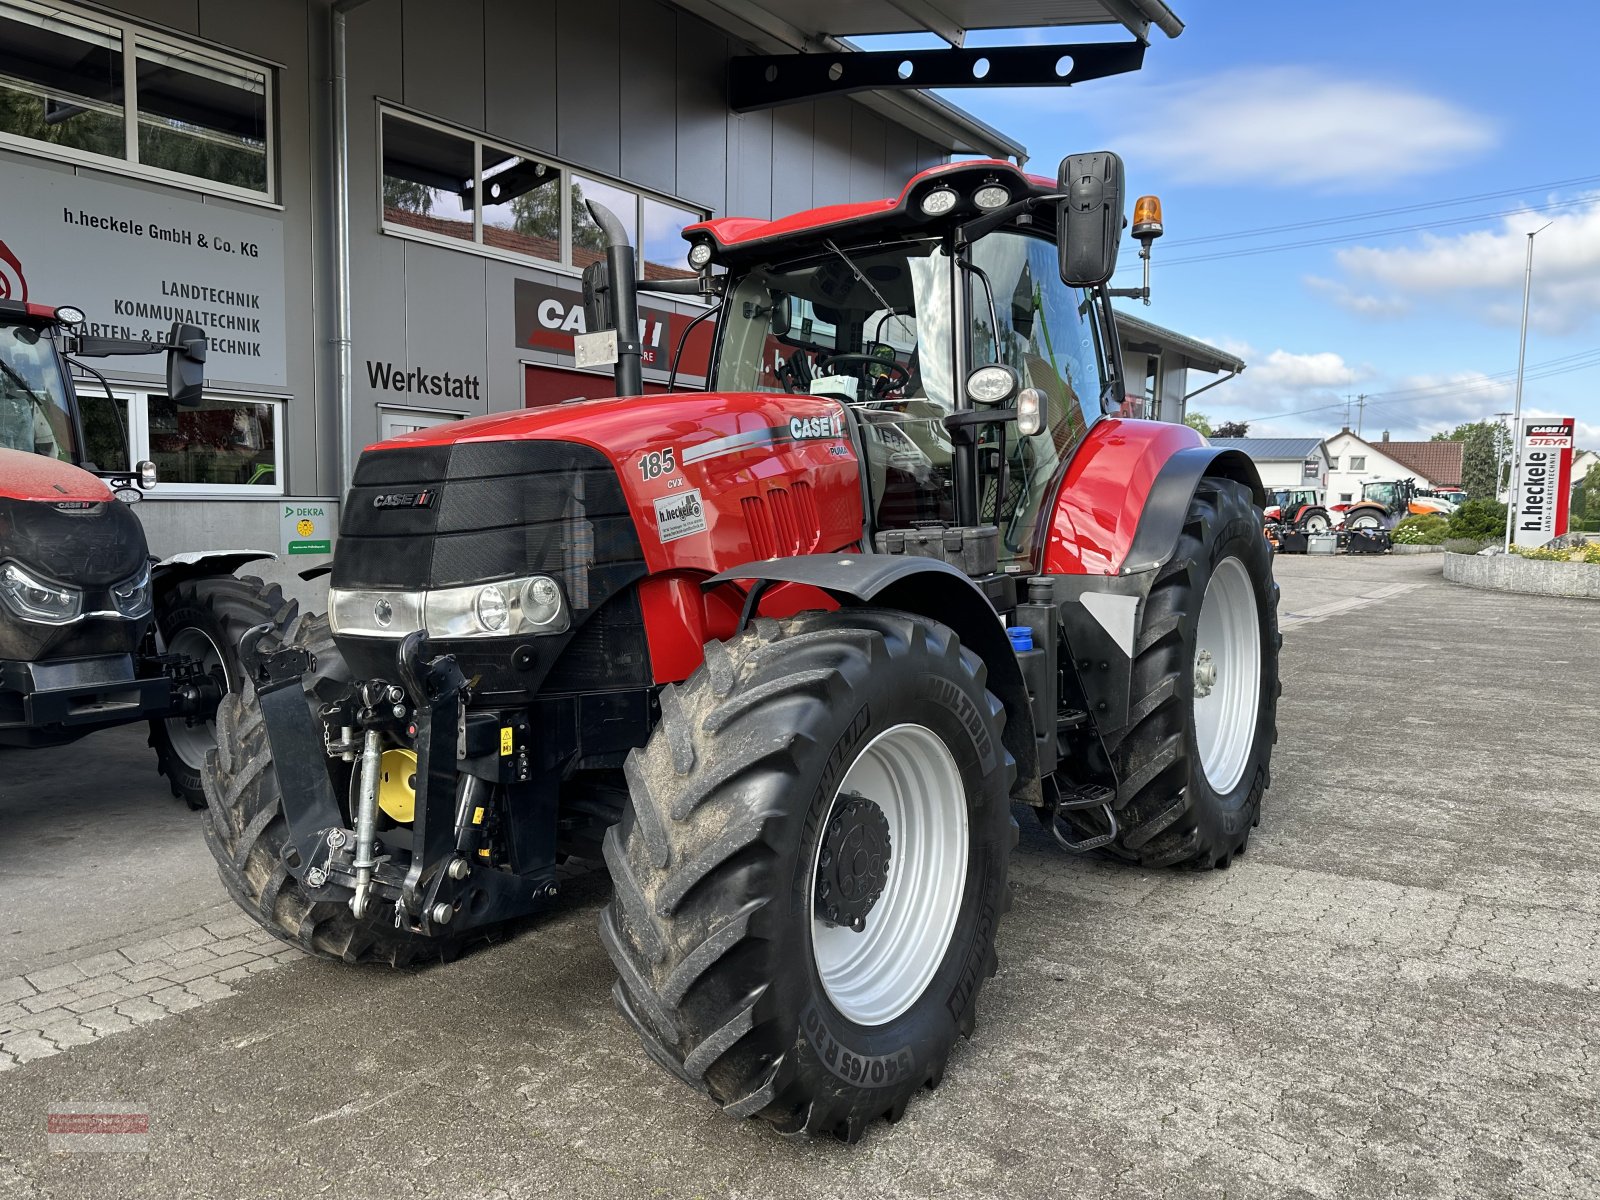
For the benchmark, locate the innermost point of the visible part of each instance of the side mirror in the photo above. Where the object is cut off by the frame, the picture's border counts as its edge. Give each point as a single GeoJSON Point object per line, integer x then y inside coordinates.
{"type": "Point", "coordinates": [782, 315]}
{"type": "Point", "coordinates": [1090, 220]}
{"type": "Point", "coordinates": [186, 365]}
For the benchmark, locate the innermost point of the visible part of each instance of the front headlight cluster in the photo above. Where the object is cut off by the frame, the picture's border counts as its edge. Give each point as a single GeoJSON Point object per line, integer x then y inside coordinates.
{"type": "Point", "coordinates": [36, 599]}
{"type": "Point", "coordinates": [45, 602]}
{"type": "Point", "coordinates": [508, 608]}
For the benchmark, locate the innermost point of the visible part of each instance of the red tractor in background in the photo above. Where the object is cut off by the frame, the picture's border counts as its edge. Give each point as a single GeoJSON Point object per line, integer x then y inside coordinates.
{"type": "Point", "coordinates": [783, 653]}
{"type": "Point", "coordinates": [1298, 510]}
{"type": "Point", "coordinates": [94, 632]}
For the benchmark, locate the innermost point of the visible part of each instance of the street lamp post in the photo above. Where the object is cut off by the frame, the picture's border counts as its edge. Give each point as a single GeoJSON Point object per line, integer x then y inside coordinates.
{"type": "Point", "coordinates": [1516, 419]}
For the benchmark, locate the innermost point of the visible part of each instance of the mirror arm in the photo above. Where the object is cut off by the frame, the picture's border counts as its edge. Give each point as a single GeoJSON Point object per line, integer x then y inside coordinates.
{"type": "Point", "coordinates": [989, 222]}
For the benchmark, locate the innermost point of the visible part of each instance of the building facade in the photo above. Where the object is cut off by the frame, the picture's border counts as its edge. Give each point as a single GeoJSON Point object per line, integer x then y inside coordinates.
{"type": "Point", "coordinates": [1354, 462]}
{"type": "Point", "coordinates": [1284, 463]}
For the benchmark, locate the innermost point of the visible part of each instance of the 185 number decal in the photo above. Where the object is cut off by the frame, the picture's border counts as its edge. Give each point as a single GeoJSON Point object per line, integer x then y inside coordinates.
{"type": "Point", "coordinates": [656, 464]}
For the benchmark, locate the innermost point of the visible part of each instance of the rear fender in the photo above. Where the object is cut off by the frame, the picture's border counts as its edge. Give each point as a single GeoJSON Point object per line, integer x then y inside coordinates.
{"type": "Point", "coordinates": [1123, 498]}
{"type": "Point", "coordinates": [1116, 522]}
{"type": "Point", "coordinates": [928, 588]}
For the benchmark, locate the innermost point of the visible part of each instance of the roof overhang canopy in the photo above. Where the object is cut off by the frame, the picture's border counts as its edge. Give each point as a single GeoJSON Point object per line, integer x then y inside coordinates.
{"type": "Point", "coordinates": [1150, 338]}
{"type": "Point", "coordinates": [790, 27]}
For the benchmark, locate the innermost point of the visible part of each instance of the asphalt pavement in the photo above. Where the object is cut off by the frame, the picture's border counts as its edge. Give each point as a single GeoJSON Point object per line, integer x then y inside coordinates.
{"type": "Point", "coordinates": [1395, 992]}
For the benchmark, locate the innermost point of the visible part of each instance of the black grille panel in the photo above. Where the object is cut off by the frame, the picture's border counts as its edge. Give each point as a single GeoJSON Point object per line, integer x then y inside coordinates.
{"type": "Point", "coordinates": [84, 545]}
{"type": "Point", "coordinates": [500, 509]}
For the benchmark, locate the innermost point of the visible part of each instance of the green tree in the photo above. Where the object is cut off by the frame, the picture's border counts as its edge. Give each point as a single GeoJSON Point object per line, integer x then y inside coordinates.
{"type": "Point", "coordinates": [1200, 422]}
{"type": "Point", "coordinates": [1233, 429]}
{"type": "Point", "coordinates": [403, 195]}
{"type": "Point", "coordinates": [1480, 474]}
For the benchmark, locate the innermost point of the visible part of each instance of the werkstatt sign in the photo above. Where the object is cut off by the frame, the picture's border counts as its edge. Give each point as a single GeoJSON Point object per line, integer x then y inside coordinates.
{"type": "Point", "coordinates": [135, 261]}
{"type": "Point", "coordinates": [1544, 480]}
{"type": "Point", "coordinates": [306, 527]}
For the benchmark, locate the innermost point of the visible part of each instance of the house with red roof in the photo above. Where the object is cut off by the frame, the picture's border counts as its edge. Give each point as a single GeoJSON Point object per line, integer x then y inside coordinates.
{"type": "Point", "coordinates": [1354, 461]}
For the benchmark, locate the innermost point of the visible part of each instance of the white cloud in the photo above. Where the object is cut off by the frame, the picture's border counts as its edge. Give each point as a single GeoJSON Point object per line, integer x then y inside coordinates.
{"type": "Point", "coordinates": [1378, 308]}
{"type": "Point", "coordinates": [1296, 127]}
{"type": "Point", "coordinates": [1482, 269]}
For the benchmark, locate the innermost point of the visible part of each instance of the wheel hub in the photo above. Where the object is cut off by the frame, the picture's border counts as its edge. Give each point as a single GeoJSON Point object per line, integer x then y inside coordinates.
{"type": "Point", "coordinates": [1205, 674]}
{"type": "Point", "coordinates": [853, 865]}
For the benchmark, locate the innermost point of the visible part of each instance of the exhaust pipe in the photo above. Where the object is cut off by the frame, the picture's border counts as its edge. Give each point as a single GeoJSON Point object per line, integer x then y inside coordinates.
{"type": "Point", "coordinates": [624, 301]}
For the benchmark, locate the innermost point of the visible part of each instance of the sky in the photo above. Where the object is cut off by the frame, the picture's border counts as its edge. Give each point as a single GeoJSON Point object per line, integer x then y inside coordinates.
{"type": "Point", "coordinates": [1412, 146]}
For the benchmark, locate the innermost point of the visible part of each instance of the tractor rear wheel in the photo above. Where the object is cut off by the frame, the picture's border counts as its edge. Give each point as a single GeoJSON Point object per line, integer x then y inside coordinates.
{"type": "Point", "coordinates": [203, 620]}
{"type": "Point", "coordinates": [810, 873]}
{"type": "Point", "coordinates": [1196, 758]}
{"type": "Point", "coordinates": [246, 830]}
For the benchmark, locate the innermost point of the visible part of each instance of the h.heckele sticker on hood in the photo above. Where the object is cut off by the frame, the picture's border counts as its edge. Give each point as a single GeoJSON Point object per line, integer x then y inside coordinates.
{"type": "Point", "coordinates": [679, 515]}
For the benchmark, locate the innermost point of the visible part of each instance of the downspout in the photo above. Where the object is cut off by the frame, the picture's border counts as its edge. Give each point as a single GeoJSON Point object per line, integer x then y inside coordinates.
{"type": "Point", "coordinates": [344, 370]}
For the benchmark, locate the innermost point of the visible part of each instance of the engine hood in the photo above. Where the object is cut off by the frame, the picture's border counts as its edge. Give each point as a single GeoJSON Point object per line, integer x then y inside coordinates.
{"type": "Point", "coordinates": [25, 476]}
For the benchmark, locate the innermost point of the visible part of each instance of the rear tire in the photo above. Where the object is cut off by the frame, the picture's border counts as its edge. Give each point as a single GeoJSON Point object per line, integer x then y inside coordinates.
{"type": "Point", "coordinates": [246, 830]}
{"type": "Point", "coordinates": [1193, 769]}
{"type": "Point", "coordinates": [204, 619]}
{"type": "Point", "coordinates": [728, 973]}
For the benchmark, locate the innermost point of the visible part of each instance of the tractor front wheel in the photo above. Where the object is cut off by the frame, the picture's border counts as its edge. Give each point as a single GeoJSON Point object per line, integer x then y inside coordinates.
{"type": "Point", "coordinates": [202, 620]}
{"type": "Point", "coordinates": [1195, 759]}
{"type": "Point", "coordinates": [812, 868]}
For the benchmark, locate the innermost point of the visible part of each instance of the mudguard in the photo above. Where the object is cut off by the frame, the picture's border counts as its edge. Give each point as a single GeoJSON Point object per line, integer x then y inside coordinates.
{"type": "Point", "coordinates": [192, 564]}
{"type": "Point", "coordinates": [1115, 522]}
{"type": "Point", "coordinates": [929, 588]}
{"type": "Point", "coordinates": [1120, 504]}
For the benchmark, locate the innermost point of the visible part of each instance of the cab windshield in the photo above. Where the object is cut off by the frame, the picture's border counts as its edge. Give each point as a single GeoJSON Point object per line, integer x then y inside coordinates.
{"type": "Point", "coordinates": [873, 327]}
{"type": "Point", "coordinates": [35, 404]}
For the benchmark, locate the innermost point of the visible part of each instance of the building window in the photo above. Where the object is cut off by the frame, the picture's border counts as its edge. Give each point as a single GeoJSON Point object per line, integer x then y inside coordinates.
{"type": "Point", "coordinates": [532, 207]}
{"type": "Point", "coordinates": [1333, 463]}
{"type": "Point", "coordinates": [1344, 497]}
{"type": "Point", "coordinates": [224, 446]}
{"type": "Point", "coordinates": [1358, 462]}
{"type": "Point", "coordinates": [105, 92]}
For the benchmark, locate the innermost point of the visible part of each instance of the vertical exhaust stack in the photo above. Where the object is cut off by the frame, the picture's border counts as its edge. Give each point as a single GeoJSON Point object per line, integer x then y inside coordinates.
{"type": "Point", "coordinates": [624, 305]}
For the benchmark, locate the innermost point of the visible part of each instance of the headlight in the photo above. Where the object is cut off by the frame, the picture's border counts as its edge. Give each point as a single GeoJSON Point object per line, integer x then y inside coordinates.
{"type": "Point", "coordinates": [34, 599]}
{"type": "Point", "coordinates": [993, 384]}
{"type": "Point", "coordinates": [700, 255]}
{"type": "Point", "coordinates": [991, 197]}
{"type": "Point", "coordinates": [132, 596]}
{"type": "Point", "coordinates": [938, 202]}
{"type": "Point", "coordinates": [508, 608]}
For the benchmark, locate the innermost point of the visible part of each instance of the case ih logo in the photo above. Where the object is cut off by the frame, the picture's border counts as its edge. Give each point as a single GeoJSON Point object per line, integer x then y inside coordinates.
{"type": "Point", "coordinates": [802, 428]}
{"type": "Point", "coordinates": [422, 499]}
{"type": "Point", "coordinates": [13, 283]}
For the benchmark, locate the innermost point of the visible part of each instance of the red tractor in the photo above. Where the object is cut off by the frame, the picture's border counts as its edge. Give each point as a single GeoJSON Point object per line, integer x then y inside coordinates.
{"type": "Point", "coordinates": [93, 631]}
{"type": "Point", "coordinates": [786, 653]}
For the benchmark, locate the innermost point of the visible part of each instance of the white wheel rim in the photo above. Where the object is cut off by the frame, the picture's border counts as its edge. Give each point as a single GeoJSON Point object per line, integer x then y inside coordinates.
{"type": "Point", "coordinates": [192, 743]}
{"type": "Point", "coordinates": [875, 975]}
{"type": "Point", "coordinates": [1317, 524]}
{"type": "Point", "coordinates": [1227, 675]}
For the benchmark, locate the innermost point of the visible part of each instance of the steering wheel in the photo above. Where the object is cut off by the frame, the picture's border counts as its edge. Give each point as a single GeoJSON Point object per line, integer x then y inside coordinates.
{"type": "Point", "coordinates": [894, 377]}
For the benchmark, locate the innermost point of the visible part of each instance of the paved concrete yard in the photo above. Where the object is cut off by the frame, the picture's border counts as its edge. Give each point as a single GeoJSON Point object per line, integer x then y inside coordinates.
{"type": "Point", "coordinates": [1396, 992]}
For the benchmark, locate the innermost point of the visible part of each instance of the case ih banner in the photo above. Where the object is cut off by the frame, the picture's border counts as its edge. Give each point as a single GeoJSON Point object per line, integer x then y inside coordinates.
{"type": "Point", "coordinates": [547, 317]}
{"type": "Point", "coordinates": [1544, 484]}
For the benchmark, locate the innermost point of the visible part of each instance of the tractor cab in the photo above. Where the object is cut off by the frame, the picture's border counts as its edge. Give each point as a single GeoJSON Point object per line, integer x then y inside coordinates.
{"type": "Point", "coordinates": [41, 410]}
{"type": "Point", "coordinates": [907, 326]}
{"type": "Point", "coordinates": [37, 413]}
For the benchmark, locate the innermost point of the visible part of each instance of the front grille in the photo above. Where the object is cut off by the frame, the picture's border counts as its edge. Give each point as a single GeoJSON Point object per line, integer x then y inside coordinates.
{"type": "Point", "coordinates": [498, 510]}
{"type": "Point", "coordinates": [72, 542]}
{"type": "Point", "coordinates": [782, 521]}
{"type": "Point", "coordinates": [501, 510]}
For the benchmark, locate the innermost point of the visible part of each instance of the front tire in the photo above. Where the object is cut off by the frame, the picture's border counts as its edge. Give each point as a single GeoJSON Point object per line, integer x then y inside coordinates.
{"type": "Point", "coordinates": [1196, 758]}
{"type": "Point", "coordinates": [812, 868]}
{"type": "Point", "coordinates": [203, 620]}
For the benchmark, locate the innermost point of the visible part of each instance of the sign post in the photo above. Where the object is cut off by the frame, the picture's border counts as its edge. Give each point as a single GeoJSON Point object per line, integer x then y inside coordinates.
{"type": "Point", "coordinates": [1543, 487]}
